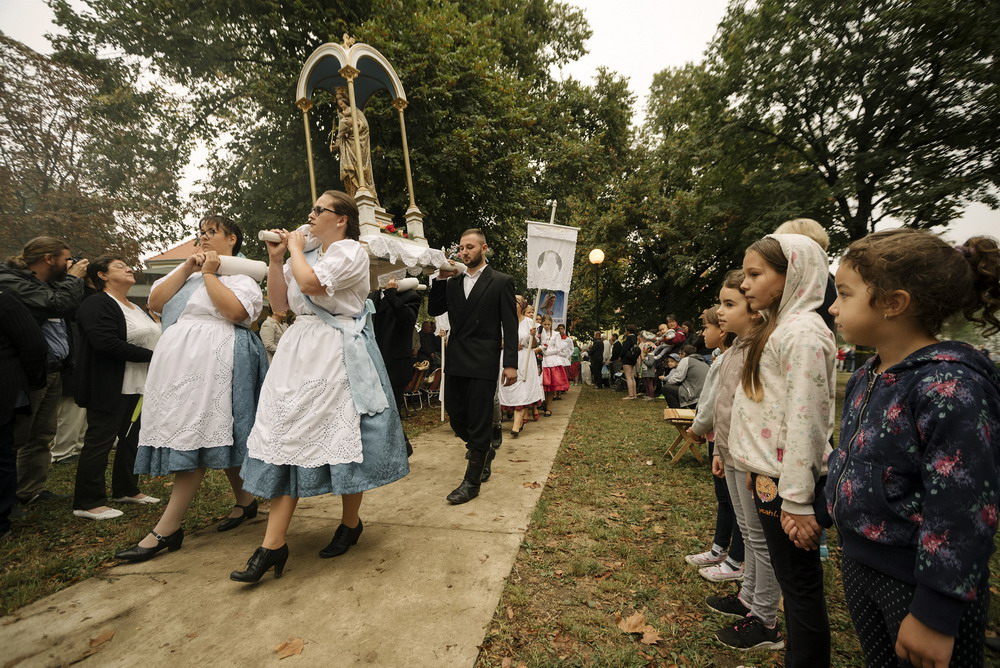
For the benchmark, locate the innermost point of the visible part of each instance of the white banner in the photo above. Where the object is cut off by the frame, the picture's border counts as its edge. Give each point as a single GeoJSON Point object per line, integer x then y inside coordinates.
{"type": "Point", "coordinates": [551, 249]}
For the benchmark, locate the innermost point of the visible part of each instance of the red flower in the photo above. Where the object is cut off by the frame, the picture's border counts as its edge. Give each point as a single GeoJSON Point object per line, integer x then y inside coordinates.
{"type": "Point", "coordinates": [945, 387]}
{"type": "Point", "coordinates": [874, 531]}
{"type": "Point", "coordinates": [989, 515]}
{"type": "Point", "coordinates": [946, 465]}
{"type": "Point", "coordinates": [405, 235]}
{"type": "Point", "coordinates": [933, 542]}
{"type": "Point", "coordinates": [390, 228]}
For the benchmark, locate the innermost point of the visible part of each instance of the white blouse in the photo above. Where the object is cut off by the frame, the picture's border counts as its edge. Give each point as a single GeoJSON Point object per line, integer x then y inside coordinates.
{"type": "Point", "coordinates": [343, 271]}
{"type": "Point", "coordinates": [142, 332]}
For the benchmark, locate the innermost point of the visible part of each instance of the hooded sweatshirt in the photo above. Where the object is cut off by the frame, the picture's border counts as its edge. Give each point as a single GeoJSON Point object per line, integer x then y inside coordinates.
{"type": "Point", "coordinates": [786, 435]}
{"type": "Point", "coordinates": [913, 484]}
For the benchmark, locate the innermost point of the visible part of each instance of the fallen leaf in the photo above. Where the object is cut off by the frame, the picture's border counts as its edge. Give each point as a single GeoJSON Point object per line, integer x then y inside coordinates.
{"type": "Point", "coordinates": [649, 462]}
{"type": "Point", "coordinates": [618, 494]}
{"type": "Point", "coordinates": [193, 634]}
{"type": "Point", "coordinates": [532, 485]}
{"type": "Point", "coordinates": [101, 639]}
{"type": "Point", "coordinates": [517, 461]}
{"type": "Point", "coordinates": [603, 576]}
{"type": "Point", "coordinates": [636, 623]}
{"type": "Point", "coordinates": [657, 528]}
{"type": "Point", "coordinates": [507, 662]}
{"type": "Point", "coordinates": [650, 637]}
{"type": "Point", "coordinates": [289, 648]}
{"type": "Point", "coordinates": [510, 612]}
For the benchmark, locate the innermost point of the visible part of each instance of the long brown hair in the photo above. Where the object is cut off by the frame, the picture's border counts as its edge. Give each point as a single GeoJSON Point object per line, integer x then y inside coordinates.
{"type": "Point", "coordinates": [770, 250]}
{"type": "Point", "coordinates": [942, 280]}
{"type": "Point", "coordinates": [35, 250]}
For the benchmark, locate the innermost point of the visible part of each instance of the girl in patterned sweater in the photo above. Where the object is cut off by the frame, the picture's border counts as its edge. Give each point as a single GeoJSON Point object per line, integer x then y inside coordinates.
{"type": "Point", "coordinates": [912, 487]}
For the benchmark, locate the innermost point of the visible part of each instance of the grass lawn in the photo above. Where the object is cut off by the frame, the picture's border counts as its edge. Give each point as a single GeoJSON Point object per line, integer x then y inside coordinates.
{"type": "Point", "coordinates": [609, 537]}
{"type": "Point", "coordinates": [50, 549]}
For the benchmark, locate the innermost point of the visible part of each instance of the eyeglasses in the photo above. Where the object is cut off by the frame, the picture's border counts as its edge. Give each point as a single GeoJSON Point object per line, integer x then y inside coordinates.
{"type": "Point", "coordinates": [318, 210]}
{"type": "Point", "coordinates": [207, 234]}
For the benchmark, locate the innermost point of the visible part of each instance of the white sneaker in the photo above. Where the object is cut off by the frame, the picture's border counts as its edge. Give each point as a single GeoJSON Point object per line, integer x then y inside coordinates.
{"type": "Point", "coordinates": [131, 499]}
{"type": "Point", "coordinates": [108, 514]}
{"type": "Point", "coordinates": [721, 572]}
{"type": "Point", "coordinates": [705, 558]}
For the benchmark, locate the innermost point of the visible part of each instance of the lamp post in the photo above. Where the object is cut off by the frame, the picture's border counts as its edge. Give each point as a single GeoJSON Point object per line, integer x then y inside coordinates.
{"type": "Point", "coordinates": [596, 258]}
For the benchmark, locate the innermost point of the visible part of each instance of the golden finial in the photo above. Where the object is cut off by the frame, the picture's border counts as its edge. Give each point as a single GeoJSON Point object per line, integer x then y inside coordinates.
{"type": "Point", "coordinates": [348, 41]}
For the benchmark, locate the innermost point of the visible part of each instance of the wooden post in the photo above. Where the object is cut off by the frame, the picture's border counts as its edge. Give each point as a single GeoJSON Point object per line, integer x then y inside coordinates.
{"type": "Point", "coordinates": [305, 105]}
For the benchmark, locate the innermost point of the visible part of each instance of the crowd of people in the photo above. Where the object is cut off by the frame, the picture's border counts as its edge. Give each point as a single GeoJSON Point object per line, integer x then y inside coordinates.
{"type": "Point", "coordinates": [312, 406]}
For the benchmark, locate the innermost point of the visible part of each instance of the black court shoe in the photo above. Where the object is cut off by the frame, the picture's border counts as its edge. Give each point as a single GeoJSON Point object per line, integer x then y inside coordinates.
{"type": "Point", "coordinates": [171, 543]}
{"type": "Point", "coordinates": [260, 562]}
{"type": "Point", "coordinates": [249, 512]}
{"type": "Point", "coordinates": [343, 538]}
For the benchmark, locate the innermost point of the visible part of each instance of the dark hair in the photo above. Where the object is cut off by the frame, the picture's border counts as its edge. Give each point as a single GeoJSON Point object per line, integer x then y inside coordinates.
{"type": "Point", "coordinates": [941, 279]}
{"type": "Point", "coordinates": [689, 350]}
{"type": "Point", "coordinates": [476, 231]}
{"type": "Point", "coordinates": [614, 335]}
{"type": "Point", "coordinates": [35, 250]}
{"type": "Point", "coordinates": [101, 265]}
{"type": "Point", "coordinates": [227, 225]}
{"type": "Point", "coordinates": [770, 251]}
{"type": "Point", "coordinates": [344, 205]}
{"type": "Point", "coordinates": [631, 329]}
{"type": "Point", "coordinates": [671, 318]}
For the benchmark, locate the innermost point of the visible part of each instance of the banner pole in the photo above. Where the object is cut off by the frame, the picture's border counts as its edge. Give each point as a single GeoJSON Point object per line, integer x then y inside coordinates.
{"type": "Point", "coordinates": [441, 387]}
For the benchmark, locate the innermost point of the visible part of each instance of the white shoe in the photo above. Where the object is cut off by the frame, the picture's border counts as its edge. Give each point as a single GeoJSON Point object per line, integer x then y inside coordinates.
{"type": "Point", "coordinates": [705, 558]}
{"type": "Point", "coordinates": [108, 514]}
{"type": "Point", "coordinates": [131, 499]}
{"type": "Point", "coordinates": [721, 573]}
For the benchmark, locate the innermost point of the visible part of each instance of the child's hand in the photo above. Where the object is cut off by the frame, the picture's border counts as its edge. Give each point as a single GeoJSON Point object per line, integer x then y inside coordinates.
{"type": "Point", "coordinates": [807, 530]}
{"type": "Point", "coordinates": [923, 646]}
{"type": "Point", "coordinates": [693, 436]}
{"type": "Point", "coordinates": [718, 468]}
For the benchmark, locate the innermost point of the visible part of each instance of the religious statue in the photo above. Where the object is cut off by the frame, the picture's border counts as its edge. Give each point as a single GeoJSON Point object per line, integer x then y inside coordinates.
{"type": "Point", "coordinates": [342, 142]}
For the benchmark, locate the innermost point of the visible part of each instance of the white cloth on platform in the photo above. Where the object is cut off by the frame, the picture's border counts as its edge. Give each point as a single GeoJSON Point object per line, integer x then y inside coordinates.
{"type": "Point", "coordinates": [306, 415]}
{"type": "Point", "coordinates": [527, 389]}
{"type": "Point", "coordinates": [187, 404]}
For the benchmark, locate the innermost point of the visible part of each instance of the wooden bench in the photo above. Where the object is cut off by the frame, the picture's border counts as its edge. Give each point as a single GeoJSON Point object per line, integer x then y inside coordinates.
{"type": "Point", "coordinates": [681, 419]}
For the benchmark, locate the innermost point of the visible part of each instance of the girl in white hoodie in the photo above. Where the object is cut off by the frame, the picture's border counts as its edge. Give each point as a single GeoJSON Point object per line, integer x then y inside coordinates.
{"type": "Point", "coordinates": [782, 422]}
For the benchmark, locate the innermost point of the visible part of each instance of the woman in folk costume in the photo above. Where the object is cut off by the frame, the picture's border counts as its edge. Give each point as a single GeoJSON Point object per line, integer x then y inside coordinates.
{"type": "Point", "coordinates": [552, 346]}
{"type": "Point", "coordinates": [527, 390]}
{"type": "Point", "coordinates": [326, 423]}
{"type": "Point", "coordinates": [203, 382]}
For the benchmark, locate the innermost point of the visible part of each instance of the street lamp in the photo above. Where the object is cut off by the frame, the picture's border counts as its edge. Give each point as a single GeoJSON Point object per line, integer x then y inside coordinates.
{"type": "Point", "coordinates": [596, 258]}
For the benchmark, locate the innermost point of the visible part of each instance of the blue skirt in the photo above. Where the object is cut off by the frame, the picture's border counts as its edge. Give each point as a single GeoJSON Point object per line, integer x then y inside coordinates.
{"type": "Point", "coordinates": [383, 447]}
{"type": "Point", "coordinates": [164, 461]}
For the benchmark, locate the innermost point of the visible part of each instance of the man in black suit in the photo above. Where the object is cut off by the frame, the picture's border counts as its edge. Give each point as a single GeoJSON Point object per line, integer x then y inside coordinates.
{"type": "Point", "coordinates": [482, 313]}
{"type": "Point", "coordinates": [597, 360]}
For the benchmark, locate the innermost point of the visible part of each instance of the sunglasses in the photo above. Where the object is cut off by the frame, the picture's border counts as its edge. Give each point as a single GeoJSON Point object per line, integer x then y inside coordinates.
{"type": "Point", "coordinates": [318, 210]}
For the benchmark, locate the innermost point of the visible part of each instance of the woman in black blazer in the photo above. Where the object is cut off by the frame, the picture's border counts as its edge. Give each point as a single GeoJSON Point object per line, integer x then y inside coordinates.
{"type": "Point", "coordinates": [118, 340]}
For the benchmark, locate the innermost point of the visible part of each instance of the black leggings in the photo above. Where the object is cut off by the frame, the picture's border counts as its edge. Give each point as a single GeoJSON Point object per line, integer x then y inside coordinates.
{"type": "Point", "coordinates": [878, 605]}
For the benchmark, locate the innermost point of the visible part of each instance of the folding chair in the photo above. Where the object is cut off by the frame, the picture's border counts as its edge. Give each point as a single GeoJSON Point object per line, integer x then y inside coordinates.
{"type": "Point", "coordinates": [681, 419]}
{"type": "Point", "coordinates": [432, 385]}
{"type": "Point", "coordinates": [413, 387]}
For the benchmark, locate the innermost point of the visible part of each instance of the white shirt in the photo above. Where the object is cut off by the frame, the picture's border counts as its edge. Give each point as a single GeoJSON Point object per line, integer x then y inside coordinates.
{"type": "Point", "coordinates": [142, 332]}
{"type": "Point", "coordinates": [470, 280]}
{"type": "Point", "coordinates": [343, 271]}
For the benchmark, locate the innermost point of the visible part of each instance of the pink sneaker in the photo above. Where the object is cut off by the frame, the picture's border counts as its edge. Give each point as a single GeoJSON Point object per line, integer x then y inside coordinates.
{"type": "Point", "coordinates": [705, 558]}
{"type": "Point", "coordinates": [721, 572]}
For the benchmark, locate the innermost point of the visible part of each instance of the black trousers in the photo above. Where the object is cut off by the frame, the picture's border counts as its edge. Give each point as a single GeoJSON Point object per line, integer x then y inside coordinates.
{"type": "Point", "coordinates": [595, 373]}
{"type": "Point", "coordinates": [727, 531]}
{"type": "Point", "coordinates": [672, 393]}
{"type": "Point", "coordinates": [800, 576]}
{"type": "Point", "coordinates": [400, 371]}
{"type": "Point", "coordinates": [107, 424]}
{"type": "Point", "coordinates": [469, 402]}
{"type": "Point", "coordinates": [8, 473]}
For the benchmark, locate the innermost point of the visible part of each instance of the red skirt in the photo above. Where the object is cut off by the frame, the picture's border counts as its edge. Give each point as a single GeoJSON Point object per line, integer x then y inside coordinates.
{"type": "Point", "coordinates": [573, 371]}
{"type": "Point", "coordinates": [554, 379]}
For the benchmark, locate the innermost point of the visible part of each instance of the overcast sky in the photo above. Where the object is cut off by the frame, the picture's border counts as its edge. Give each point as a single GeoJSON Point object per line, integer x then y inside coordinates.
{"type": "Point", "coordinates": [636, 38]}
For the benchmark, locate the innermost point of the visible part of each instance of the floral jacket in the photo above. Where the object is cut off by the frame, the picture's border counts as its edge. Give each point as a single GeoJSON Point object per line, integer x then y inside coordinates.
{"type": "Point", "coordinates": [913, 487]}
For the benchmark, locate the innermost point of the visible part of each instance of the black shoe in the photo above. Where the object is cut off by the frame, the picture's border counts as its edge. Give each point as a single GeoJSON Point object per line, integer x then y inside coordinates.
{"type": "Point", "coordinates": [343, 538]}
{"type": "Point", "coordinates": [515, 434]}
{"type": "Point", "coordinates": [463, 493]}
{"type": "Point", "coordinates": [496, 440]}
{"type": "Point", "coordinates": [750, 633]}
{"type": "Point", "coordinates": [249, 512]}
{"type": "Point", "coordinates": [469, 489]}
{"type": "Point", "coordinates": [409, 447]}
{"type": "Point", "coordinates": [260, 562]}
{"type": "Point", "coordinates": [488, 469]}
{"type": "Point", "coordinates": [728, 605]}
{"type": "Point", "coordinates": [172, 543]}
{"type": "Point", "coordinates": [43, 496]}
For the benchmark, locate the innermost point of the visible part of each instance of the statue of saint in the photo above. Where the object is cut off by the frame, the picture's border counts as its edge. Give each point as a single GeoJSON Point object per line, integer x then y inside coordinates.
{"type": "Point", "coordinates": [343, 143]}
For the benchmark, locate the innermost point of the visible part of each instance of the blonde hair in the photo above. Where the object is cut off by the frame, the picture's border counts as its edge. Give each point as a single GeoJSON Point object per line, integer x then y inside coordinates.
{"type": "Point", "coordinates": [35, 250]}
{"type": "Point", "coordinates": [807, 227]}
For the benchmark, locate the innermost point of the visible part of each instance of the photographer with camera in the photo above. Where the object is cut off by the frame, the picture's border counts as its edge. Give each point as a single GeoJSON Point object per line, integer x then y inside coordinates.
{"type": "Point", "coordinates": [46, 280]}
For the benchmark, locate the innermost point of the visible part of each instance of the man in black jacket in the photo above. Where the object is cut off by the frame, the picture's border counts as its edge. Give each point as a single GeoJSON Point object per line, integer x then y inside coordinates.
{"type": "Point", "coordinates": [50, 285]}
{"type": "Point", "coordinates": [597, 360]}
{"type": "Point", "coordinates": [482, 313]}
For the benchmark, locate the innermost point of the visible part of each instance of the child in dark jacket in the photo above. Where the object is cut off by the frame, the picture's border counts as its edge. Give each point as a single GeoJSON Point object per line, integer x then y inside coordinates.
{"type": "Point", "coordinates": [913, 486]}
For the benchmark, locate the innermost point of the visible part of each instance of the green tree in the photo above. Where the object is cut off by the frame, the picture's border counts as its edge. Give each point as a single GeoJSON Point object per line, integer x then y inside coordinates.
{"type": "Point", "coordinates": [81, 155]}
{"type": "Point", "coordinates": [893, 104]}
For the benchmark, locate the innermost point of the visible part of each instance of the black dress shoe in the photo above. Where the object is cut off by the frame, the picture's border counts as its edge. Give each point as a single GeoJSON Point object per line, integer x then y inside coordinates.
{"type": "Point", "coordinates": [343, 538]}
{"type": "Point", "coordinates": [260, 562]}
{"type": "Point", "coordinates": [496, 439]}
{"type": "Point", "coordinates": [172, 543]}
{"type": "Point", "coordinates": [249, 512]}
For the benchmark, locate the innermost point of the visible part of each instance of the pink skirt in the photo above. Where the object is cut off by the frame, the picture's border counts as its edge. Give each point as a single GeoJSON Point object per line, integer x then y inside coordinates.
{"type": "Point", "coordinates": [554, 379]}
